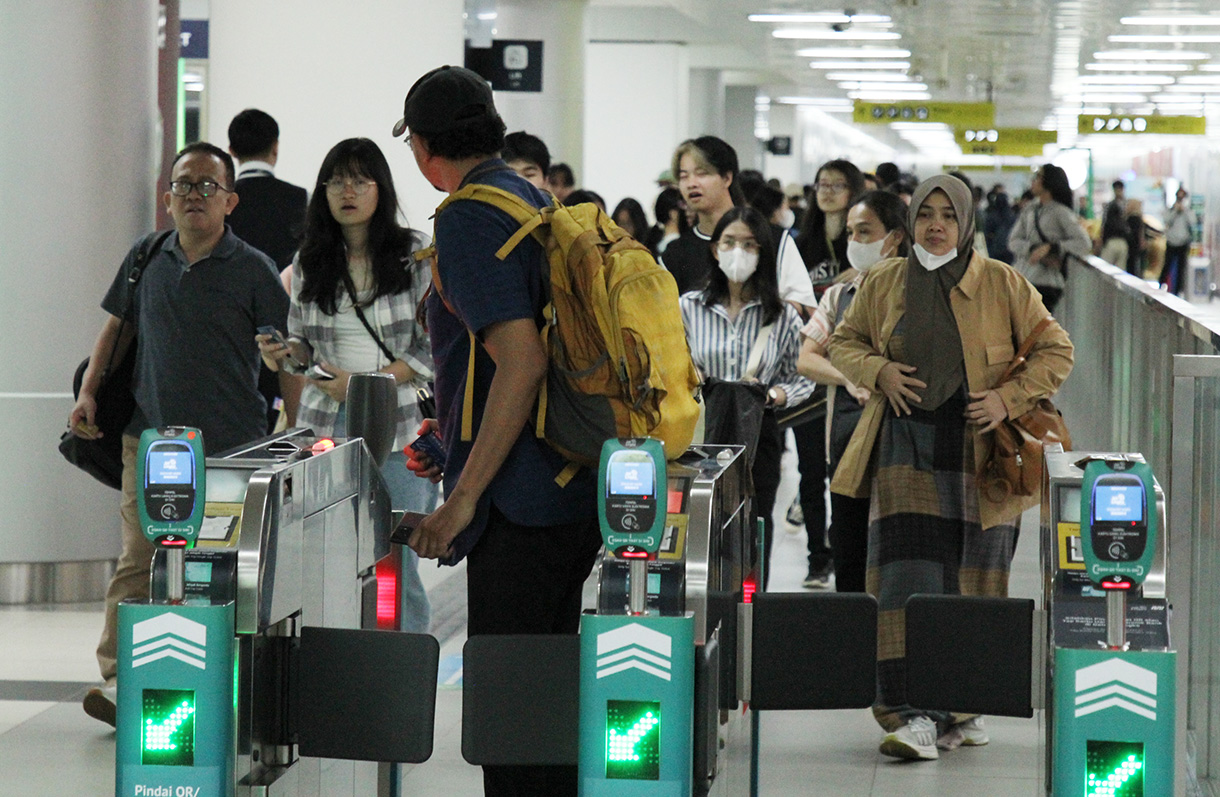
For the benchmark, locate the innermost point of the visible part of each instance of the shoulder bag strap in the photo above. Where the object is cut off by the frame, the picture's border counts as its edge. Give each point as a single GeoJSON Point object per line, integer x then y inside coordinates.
{"type": "Point", "coordinates": [347, 283]}
{"type": "Point", "coordinates": [151, 244]}
{"type": "Point", "coordinates": [1024, 351]}
{"type": "Point", "coordinates": [756, 353]}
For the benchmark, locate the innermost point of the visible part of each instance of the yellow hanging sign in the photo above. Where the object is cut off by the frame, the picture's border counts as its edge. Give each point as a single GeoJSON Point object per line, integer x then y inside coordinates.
{"type": "Point", "coordinates": [955, 114]}
{"type": "Point", "coordinates": [1129, 124]}
{"type": "Point", "coordinates": [1024, 142]}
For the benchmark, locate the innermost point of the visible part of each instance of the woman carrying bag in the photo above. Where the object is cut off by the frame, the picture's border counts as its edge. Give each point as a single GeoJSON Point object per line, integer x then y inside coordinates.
{"type": "Point", "coordinates": [1047, 231]}
{"type": "Point", "coordinates": [931, 336]}
{"type": "Point", "coordinates": [739, 330]}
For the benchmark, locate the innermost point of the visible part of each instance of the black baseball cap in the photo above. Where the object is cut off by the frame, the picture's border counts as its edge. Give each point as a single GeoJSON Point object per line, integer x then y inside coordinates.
{"type": "Point", "coordinates": [445, 98]}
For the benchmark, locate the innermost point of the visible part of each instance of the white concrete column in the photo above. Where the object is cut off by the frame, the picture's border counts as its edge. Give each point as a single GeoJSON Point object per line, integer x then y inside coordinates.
{"type": "Point", "coordinates": [706, 102]}
{"type": "Point", "coordinates": [328, 71]}
{"type": "Point", "coordinates": [556, 114]}
{"type": "Point", "coordinates": [628, 143]}
{"type": "Point", "coordinates": [77, 185]}
{"type": "Point", "coordinates": [739, 125]}
{"type": "Point", "coordinates": [787, 168]}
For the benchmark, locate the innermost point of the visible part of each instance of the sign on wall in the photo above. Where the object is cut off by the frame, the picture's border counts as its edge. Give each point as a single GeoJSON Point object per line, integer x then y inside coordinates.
{"type": "Point", "coordinates": [509, 64]}
{"type": "Point", "coordinates": [1165, 125]}
{"type": "Point", "coordinates": [955, 114]}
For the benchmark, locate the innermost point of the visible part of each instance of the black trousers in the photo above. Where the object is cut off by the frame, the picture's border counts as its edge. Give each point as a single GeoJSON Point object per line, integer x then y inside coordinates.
{"type": "Point", "coordinates": [528, 580]}
{"type": "Point", "coordinates": [811, 461]}
{"type": "Point", "coordinates": [849, 541]}
{"type": "Point", "coordinates": [766, 474]}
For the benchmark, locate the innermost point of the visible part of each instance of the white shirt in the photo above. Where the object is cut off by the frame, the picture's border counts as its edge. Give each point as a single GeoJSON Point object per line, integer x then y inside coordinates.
{"type": "Point", "coordinates": [255, 166]}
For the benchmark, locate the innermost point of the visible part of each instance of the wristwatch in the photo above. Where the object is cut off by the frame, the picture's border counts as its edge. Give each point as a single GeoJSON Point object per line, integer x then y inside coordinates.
{"type": "Point", "coordinates": [772, 396]}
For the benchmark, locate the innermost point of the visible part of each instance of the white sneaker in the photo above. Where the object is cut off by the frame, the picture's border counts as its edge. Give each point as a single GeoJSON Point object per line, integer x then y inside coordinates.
{"type": "Point", "coordinates": [971, 733]}
{"type": "Point", "coordinates": [914, 741]}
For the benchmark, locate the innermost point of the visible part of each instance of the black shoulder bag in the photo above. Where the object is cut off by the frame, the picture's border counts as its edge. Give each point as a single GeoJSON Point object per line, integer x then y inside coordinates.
{"type": "Point", "coordinates": [103, 458]}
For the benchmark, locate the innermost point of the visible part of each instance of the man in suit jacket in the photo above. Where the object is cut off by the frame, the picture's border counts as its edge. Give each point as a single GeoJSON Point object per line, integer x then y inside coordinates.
{"type": "Point", "coordinates": [271, 219]}
{"type": "Point", "coordinates": [272, 215]}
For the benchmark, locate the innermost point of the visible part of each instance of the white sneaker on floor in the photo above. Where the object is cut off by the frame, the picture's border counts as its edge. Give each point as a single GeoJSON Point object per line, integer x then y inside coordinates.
{"type": "Point", "coordinates": [914, 741]}
{"type": "Point", "coordinates": [99, 703]}
{"type": "Point", "coordinates": [971, 733]}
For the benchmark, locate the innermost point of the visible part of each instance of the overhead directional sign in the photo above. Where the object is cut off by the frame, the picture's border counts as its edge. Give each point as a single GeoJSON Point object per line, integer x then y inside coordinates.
{"type": "Point", "coordinates": [1019, 141]}
{"type": "Point", "coordinates": [1164, 125]}
{"type": "Point", "coordinates": [955, 114]}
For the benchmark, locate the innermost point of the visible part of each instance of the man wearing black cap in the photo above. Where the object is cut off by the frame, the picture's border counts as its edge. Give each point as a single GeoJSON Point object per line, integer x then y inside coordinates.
{"type": "Point", "coordinates": [529, 542]}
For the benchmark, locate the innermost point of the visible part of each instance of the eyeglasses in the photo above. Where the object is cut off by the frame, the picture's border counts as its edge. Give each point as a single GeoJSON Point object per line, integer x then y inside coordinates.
{"type": "Point", "coordinates": [206, 188]}
{"type": "Point", "coordinates": [834, 188]}
{"type": "Point", "coordinates": [729, 244]}
{"type": "Point", "coordinates": [359, 187]}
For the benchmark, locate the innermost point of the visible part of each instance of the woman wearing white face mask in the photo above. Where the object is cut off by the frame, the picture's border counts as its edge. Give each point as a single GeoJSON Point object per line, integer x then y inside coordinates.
{"type": "Point", "coordinates": [739, 329]}
{"type": "Point", "coordinates": [930, 336]}
{"type": "Point", "coordinates": [876, 228]}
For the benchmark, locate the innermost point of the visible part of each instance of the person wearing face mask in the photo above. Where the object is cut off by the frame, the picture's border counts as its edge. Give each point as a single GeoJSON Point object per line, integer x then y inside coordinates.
{"type": "Point", "coordinates": [876, 228]}
{"type": "Point", "coordinates": [929, 336]}
{"type": "Point", "coordinates": [739, 329]}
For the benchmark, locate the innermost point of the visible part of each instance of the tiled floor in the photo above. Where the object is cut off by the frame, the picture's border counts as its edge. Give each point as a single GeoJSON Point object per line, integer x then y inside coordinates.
{"type": "Point", "coordinates": [48, 746]}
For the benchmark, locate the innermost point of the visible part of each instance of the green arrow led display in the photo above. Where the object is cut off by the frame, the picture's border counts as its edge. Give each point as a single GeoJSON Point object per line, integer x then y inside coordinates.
{"type": "Point", "coordinates": [168, 727]}
{"type": "Point", "coordinates": [1115, 769]}
{"type": "Point", "coordinates": [633, 734]}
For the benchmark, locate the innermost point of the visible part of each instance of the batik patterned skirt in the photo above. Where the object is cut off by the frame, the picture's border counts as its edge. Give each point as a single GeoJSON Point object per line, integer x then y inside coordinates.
{"type": "Point", "coordinates": [924, 536]}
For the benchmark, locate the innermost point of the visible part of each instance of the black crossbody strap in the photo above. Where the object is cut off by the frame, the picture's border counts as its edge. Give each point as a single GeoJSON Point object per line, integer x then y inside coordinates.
{"type": "Point", "coordinates": [148, 247]}
{"type": "Point", "coordinates": [351, 292]}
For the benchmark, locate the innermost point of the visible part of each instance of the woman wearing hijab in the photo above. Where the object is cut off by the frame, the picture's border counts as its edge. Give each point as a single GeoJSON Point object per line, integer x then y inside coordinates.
{"type": "Point", "coordinates": [929, 336]}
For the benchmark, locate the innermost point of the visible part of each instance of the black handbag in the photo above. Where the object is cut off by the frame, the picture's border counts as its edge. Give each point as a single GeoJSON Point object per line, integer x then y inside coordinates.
{"type": "Point", "coordinates": [733, 413]}
{"type": "Point", "coordinates": [811, 409]}
{"type": "Point", "coordinates": [103, 458]}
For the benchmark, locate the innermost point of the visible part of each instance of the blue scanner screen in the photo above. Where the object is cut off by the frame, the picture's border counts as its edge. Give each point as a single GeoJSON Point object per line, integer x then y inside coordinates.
{"type": "Point", "coordinates": [169, 467]}
{"type": "Point", "coordinates": [631, 478]}
{"type": "Point", "coordinates": [1118, 502]}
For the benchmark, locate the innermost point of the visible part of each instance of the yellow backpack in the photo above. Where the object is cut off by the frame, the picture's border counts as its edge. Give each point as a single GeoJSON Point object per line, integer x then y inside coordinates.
{"type": "Point", "coordinates": [619, 363]}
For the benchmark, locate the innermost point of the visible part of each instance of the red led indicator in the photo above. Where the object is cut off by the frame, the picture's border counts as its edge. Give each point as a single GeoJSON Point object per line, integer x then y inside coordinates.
{"type": "Point", "coordinates": [174, 542]}
{"type": "Point", "coordinates": [673, 504]}
{"type": "Point", "coordinates": [325, 444]}
{"type": "Point", "coordinates": [1116, 584]}
{"type": "Point", "coordinates": [190, 435]}
{"type": "Point", "coordinates": [748, 588]}
{"type": "Point", "coordinates": [635, 554]}
{"type": "Point", "coordinates": [387, 594]}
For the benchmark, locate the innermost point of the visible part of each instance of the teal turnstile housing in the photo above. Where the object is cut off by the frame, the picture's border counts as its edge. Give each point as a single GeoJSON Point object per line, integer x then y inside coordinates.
{"type": "Point", "coordinates": [636, 705]}
{"type": "Point", "coordinates": [175, 724]}
{"type": "Point", "coordinates": [1115, 728]}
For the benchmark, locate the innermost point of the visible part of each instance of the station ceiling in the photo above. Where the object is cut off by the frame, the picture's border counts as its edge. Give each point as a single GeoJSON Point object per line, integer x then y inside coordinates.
{"type": "Point", "coordinates": [1040, 61]}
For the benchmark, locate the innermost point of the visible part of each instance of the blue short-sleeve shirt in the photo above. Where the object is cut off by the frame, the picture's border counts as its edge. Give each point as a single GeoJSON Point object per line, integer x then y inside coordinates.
{"type": "Point", "coordinates": [484, 291]}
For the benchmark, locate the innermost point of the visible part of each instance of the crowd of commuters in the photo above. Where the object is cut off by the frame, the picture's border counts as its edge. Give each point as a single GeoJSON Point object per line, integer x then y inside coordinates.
{"type": "Point", "coordinates": [862, 310]}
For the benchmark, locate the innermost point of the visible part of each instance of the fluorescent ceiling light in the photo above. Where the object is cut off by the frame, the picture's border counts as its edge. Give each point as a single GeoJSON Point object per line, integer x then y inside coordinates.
{"type": "Point", "coordinates": [854, 52]}
{"type": "Point", "coordinates": [881, 77]}
{"type": "Point", "coordinates": [941, 126]}
{"type": "Point", "coordinates": [1208, 79]}
{"type": "Point", "coordinates": [1208, 67]}
{"type": "Point", "coordinates": [1151, 55]}
{"type": "Point", "coordinates": [1132, 66]}
{"type": "Point", "coordinates": [1185, 19]}
{"type": "Point", "coordinates": [859, 64]}
{"type": "Point", "coordinates": [1177, 98]}
{"type": "Point", "coordinates": [1126, 80]}
{"type": "Point", "coordinates": [1197, 88]}
{"type": "Point", "coordinates": [1087, 110]}
{"type": "Point", "coordinates": [860, 85]}
{"type": "Point", "coordinates": [834, 35]}
{"type": "Point", "coordinates": [1110, 98]}
{"type": "Point", "coordinates": [887, 96]}
{"type": "Point", "coordinates": [819, 101]}
{"type": "Point", "coordinates": [486, 16]}
{"type": "Point", "coordinates": [1166, 38]}
{"type": "Point", "coordinates": [826, 17]}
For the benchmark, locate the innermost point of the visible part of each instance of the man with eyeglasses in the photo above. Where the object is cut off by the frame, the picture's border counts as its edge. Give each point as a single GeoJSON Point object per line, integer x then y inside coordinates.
{"type": "Point", "coordinates": [193, 316]}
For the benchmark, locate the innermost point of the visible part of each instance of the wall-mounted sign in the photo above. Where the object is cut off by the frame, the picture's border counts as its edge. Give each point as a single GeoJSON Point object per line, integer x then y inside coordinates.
{"type": "Point", "coordinates": [1165, 125]}
{"type": "Point", "coordinates": [508, 65]}
{"type": "Point", "coordinates": [780, 145]}
{"type": "Point", "coordinates": [956, 114]}
{"type": "Point", "coordinates": [194, 38]}
{"type": "Point", "coordinates": [1018, 141]}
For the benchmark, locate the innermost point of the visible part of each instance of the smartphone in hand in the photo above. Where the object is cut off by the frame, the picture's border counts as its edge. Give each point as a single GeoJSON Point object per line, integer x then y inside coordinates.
{"type": "Point", "coordinates": [291, 364]}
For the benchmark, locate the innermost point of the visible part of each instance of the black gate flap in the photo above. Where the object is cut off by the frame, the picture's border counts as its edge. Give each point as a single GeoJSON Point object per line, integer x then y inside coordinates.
{"type": "Point", "coordinates": [521, 700]}
{"type": "Point", "coordinates": [367, 695]}
{"type": "Point", "coordinates": [813, 651]}
{"type": "Point", "coordinates": [969, 654]}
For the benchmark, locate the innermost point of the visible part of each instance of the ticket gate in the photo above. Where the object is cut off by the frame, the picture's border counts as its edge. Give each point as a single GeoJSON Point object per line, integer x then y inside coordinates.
{"type": "Point", "coordinates": [295, 531]}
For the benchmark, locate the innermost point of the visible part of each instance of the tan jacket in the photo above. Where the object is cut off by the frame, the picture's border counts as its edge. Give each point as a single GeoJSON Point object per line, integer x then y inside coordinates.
{"type": "Point", "coordinates": [996, 309]}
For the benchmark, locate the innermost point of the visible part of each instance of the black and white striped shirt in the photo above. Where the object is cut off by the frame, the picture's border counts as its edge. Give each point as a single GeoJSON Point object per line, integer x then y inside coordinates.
{"type": "Point", "coordinates": [721, 347]}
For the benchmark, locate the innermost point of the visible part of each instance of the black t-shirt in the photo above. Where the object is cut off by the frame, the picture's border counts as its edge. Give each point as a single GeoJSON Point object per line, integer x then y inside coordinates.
{"type": "Point", "coordinates": [689, 258]}
{"type": "Point", "coordinates": [196, 359]}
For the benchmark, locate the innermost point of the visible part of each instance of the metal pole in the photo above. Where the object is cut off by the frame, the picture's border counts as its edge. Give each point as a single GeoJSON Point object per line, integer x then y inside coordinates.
{"type": "Point", "coordinates": [175, 574]}
{"type": "Point", "coordinates": [1116, 619]}
{"type": "Point", "coordinates": [638, 576]}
